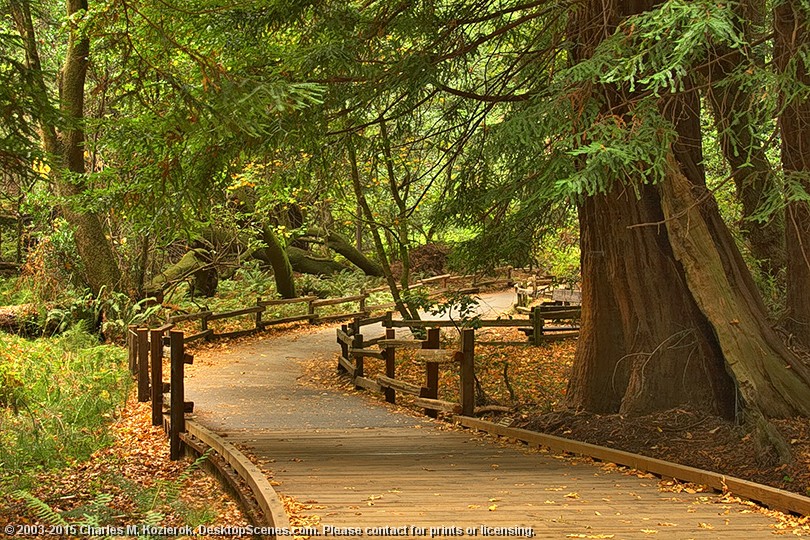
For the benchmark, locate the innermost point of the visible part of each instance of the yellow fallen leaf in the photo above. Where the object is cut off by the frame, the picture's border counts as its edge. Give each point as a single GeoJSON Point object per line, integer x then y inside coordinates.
{"type": "Point", "coordinates": [705, 525]}
{"type": "Point", "coordinates": [649, 531]}
{"type": "Point", "coordinates": [572, 495]}
{"type": "Point", "coordinates": [492, 507]}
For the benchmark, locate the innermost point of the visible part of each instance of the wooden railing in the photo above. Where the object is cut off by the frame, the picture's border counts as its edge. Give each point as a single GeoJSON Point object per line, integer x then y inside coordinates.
{"type": "Point", "coordinates": [147, 346]}
{"type": "Point", "coordinates": [145, 349]}
{"type": "Point", "coordinates": [356, 348]}
{"type": "Point", "coordinates": [445, 283]}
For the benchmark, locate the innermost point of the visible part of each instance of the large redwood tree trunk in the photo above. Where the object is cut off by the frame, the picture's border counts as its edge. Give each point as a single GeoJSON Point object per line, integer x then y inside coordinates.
{"type": "Point", "coordinates": [671, 315]}
{"type": "Point", "coordinates": [644, 344]}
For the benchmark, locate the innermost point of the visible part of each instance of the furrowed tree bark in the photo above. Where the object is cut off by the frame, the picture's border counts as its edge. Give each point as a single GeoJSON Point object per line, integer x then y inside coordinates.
{"type": "Point", "coordinates": [644, 345]}
{"type": "Point", "coordinates": [768, 377]}
{"type": "Point", "coordinates": [671, 315]}
{"type": "Point", "coordinates": [791, 36]}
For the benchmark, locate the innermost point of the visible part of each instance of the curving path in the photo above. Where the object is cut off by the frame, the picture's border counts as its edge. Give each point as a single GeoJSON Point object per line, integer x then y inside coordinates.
{"type": "Point", "coordinates": [368, 470]}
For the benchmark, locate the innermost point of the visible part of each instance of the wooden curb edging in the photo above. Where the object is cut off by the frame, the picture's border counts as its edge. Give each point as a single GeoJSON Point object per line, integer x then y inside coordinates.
{"type": "Point", "coordinates": [274, 514]}
{"type": "Point", "coordinates": [775, 498]}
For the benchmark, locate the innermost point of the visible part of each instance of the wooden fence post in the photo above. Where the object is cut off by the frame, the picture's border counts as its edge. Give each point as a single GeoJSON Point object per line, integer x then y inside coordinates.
{"type": "Point", "coordinates": [537, 326]}
{"type": "Point", "coordinates": [344, 349]}
{"type": "Point", "coordinates": [363, 300]}
{"type": "Point", "coordinates": [177, 414]}
{"type": "Point", "coordinates": [204, 326]}
{"type": "Point", "coordinates": [259, 313]}
{"type": "Point", "coordinates": [390, 365]}
{"type": "Point", "coordinates": [143, 364]}
{"type": "Point", "coordinates": [357, 343]}
{"type": "Point", "coordinates": [156, 346]}
{"type": "Point", "coordinates": [132, 346]}
{"type": "Point", "coordinates": [467, 389]}
{"type": "Point", "coordinates": [432, 370]}
{"type": "Point", "coordinates": [311, 311]}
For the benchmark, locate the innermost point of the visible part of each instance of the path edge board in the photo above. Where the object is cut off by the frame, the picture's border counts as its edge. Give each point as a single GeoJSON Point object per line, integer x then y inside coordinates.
{"type": "Point", "coordinates": [267, 497]}
{"type": "Point", "coordinates": [772, 497]}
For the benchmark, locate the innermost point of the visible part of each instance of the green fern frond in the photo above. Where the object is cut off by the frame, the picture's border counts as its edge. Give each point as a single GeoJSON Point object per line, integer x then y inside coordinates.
{"type": "Point", "coordinates": [44, 513]}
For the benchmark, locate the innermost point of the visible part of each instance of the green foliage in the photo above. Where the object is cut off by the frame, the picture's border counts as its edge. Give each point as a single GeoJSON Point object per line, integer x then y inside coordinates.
{"type": "Point", "coordinates": [59, 394]}
{"type": "Point", "coordinates": [459, 308]}
{"type": "Point", "coordinates": [109, 313]}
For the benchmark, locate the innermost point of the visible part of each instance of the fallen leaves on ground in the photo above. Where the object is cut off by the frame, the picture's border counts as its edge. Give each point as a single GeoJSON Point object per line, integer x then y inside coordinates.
{"type": "Point", "coordinates": [135, 471]}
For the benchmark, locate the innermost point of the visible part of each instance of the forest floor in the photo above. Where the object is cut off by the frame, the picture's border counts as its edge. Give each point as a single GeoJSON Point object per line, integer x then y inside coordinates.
{"type": "Point", "coordinates": [129, 483]}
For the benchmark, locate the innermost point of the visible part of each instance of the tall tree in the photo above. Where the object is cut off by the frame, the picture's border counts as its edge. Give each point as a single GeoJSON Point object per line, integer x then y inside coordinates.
{"type": "Point", "coordinates": [65, 146]}
{"type": "Point", "coordinates": [791, 48]}
{"type": "Point", "coordinates": [671, 315]}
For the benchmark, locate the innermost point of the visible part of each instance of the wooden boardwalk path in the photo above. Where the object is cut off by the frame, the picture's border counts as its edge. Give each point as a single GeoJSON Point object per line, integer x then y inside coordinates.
{"type": "Point", "coordinates": [362, 465]}
{"type": "Point", "coordinates": [445, 482]}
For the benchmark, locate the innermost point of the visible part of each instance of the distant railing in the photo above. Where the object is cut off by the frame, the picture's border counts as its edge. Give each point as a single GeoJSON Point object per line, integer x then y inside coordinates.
{"type": "Point", "coordinates": [355, 349]}
{"type": "Point", "coordinates": [313, 303]}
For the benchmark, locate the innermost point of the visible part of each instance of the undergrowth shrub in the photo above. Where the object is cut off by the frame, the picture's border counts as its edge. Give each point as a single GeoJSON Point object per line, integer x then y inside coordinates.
{"type": "Point", "coordinates": [57, 396]}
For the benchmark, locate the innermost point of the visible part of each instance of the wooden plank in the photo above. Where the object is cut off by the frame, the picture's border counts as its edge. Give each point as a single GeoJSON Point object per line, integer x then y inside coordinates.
{"type": "Point", "coordinates": [320, 319]}
{"type": "Point", "coordinates": [368, 384]}
{"type": "Point", "coordinates": [375, 320]}
{"type": "Point", "coordinates": [190, 316]}
{"type": "Point", "coordinates": [373, 353]}
{"type": "Point", "coordinates": [156, 352]}
{"type": "Point", "coordinates": [335, 301]}
{"type": "Point", "coordinates": [176, 400]}
{"type": "Point", "coordinates": [437, 356]}
{"type": "Point", "coordinates": [143, 364]}
{"type": "Point", "coordinates": [236, 313]}
{"type": "Point", "coordinates": [285, 320]}
{"type": "Point", "coordinates": [470, 290]}
{"type": "Point", "coordinates": [503, 343]}
{"type": "Point", "coordinates": [162, 329]}
{"type": "Point", "coordinates": [348, 366]}
{"type": "Point", "coordinates": [285, 301]}
{"type": "Point", "coordinates": [773, 497]}
{"type": "Point", "coordinates": [343, 337]}
{"type": "Point", "coordinates": [566, 295]}
{"type": "Point", "coordinates": [437, 405]}
{"type": "Point", "coordinates": [380, 307]}
{"type": "Point", "coordinates": [266, 496]}
{"type": "Point", "coordinates": [556, 313]}
{"type": "Point", "coordinates": [401, 343]}
{"type": "Point", "coordinates": [491, 323]}
{"type": "Point", "coordinates": [199, 335]}
{"type": "Point", "coordinates": [436, 278]}
{"type": "Point", "coordinates": [400, 386]}
{"type": "Point", "coordinates": [467, 383]}
{"type": "Point", "coordinates": [374, 341]}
